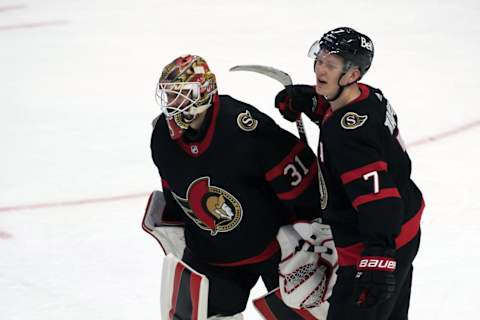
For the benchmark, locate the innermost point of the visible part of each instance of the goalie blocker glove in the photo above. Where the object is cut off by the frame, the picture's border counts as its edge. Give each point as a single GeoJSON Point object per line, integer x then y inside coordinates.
{"type": "Point", "coordinates": [295, 99]}
{"type": "Point", "coordinates": [375, 279]}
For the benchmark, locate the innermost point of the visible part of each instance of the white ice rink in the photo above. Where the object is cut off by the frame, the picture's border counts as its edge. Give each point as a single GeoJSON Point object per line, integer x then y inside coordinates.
{"type": "Point", "coordinates": [77, 85]}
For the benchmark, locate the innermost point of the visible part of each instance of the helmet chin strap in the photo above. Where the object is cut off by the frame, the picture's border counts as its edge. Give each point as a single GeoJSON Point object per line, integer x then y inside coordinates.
{"type": "Point", "coordinates": [338, 94]}
{"type": "Point", "coordinates": [340, 88]}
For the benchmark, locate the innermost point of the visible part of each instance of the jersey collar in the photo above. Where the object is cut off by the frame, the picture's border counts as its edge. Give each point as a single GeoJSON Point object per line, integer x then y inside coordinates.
{"type": "Point", "coordinates": [197, 148]}
{"type": "Point", "coordinates": [364, 93]}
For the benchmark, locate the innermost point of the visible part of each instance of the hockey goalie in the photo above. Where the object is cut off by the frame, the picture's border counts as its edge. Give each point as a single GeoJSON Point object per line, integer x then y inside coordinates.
{"type": "Point", "coordinates": [231, 177]}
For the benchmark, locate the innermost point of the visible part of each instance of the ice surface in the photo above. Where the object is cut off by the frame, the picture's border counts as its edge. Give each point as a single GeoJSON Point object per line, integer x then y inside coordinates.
{"type": "Point", "coordinates": [77, 97]}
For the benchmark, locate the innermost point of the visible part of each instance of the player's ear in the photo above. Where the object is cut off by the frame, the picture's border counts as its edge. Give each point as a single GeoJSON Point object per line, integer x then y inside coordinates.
{"type": "Point", "coordinates": [352, 75]}
{"type": "Point", "coordinates": [356, 74]}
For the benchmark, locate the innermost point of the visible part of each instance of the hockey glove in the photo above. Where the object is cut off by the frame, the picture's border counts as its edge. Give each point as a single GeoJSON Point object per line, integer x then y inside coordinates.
{"type": "Point", "coordinates": [296, 99]}
{"type": "Point", "coordinates": [309, 263]}
{"type": "Point", "coordinates": [375, 279]}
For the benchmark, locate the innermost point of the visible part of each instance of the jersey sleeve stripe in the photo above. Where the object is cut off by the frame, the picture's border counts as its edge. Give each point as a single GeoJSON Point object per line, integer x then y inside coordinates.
{"type": "Point", "coordinates": [349, 256]}
{"type": "Point", "coordinates": [355, 174]}
{"type": "Point", "coordinates": [306, 182]}
{"type": "Point", "coordinates": [277, 170]}
{"type": "Point", "coordinates": [410, 228]}
{"type": "Point", "coordinates": [382, 194]}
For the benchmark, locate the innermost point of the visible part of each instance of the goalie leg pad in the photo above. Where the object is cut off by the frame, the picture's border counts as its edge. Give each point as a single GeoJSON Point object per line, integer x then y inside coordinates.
{"type": "Point", "coordinates": [184, 292]}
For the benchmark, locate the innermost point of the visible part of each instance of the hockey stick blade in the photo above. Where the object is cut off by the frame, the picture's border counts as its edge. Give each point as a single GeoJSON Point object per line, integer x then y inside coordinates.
{"type": "Point", "coordinates": [279, 75]}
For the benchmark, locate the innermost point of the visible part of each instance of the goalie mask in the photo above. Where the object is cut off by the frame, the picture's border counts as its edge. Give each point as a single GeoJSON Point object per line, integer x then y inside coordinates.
{"type": "Point", "coordinates": [185, 90]}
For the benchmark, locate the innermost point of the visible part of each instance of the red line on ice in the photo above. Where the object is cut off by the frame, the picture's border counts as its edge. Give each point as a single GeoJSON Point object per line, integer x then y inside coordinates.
{"type": "Point", "coordinates": [32, 25]}
{"type": "Point", "coordinates": [5, 235]}
{"type": "Point", "coordinates": [12, 7]}
{"type": "Point", "coordinates": [72, 202]}
{"type": "Point", "coordinates": [445, 134]}
{"type": "Point", "coordinates": [419, 142]}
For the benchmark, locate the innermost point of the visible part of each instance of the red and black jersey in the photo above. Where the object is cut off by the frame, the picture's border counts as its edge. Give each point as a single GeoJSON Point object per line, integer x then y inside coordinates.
{"type": "Point", "coordinates": [370, 198]}
{"type": "Point", "coordinates": [237, 184]}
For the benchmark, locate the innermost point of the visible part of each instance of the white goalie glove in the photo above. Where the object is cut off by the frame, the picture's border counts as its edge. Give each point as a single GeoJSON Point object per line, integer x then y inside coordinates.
{"type": "Point", "coordinates": [309, 264]}
{"type": "Point", "coordinates": [170, 236]}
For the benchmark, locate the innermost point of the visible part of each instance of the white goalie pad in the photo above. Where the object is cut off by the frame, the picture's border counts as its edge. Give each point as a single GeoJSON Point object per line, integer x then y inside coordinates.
{"type": "Point", "coordinates": [309, 264]}
{"type": "Point", "coordinates": [170, 236]}
{"type": "Point", "coordinates": [184, 292]}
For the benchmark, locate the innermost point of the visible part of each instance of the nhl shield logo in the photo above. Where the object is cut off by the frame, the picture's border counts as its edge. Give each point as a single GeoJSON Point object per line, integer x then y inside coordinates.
{"type": "Point", "coordinates": [352, 120]}
{"type": "Point", "coordinates": [211, 208]}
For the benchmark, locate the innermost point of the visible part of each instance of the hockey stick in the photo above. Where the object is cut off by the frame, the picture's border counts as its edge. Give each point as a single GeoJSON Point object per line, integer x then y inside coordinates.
{"type": "Point", "coordinates": [281, 76]}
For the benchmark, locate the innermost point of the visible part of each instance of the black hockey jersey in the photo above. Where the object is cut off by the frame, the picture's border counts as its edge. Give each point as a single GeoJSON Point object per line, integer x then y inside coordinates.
{"type": "Point", "coordinates": [369, 198]}
{"type": "Point", "coordinates": [236, 186]}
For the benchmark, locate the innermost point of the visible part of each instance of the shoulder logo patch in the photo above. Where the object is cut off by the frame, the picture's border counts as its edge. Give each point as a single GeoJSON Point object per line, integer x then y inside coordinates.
{"type": "Point", "coordinates": [246, 122]}
{"type": "Point", "coordinates": [352, 120]}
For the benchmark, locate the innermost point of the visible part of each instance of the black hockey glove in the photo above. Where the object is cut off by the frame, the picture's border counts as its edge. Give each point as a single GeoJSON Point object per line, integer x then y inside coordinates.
{"type": "Point", "coordinates": [375, 279]}
{"type": "Point", "coordinates": [303, 99]}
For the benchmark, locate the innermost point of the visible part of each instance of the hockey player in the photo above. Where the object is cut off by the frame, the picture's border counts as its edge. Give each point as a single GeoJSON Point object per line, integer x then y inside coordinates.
{"type": "Point", "coordinates": [372, 205]}
{"type": "Point", "coordinates": [231, 177]}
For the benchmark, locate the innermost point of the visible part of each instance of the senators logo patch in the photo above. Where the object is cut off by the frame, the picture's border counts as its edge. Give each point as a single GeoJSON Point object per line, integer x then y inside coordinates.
{"type": "Point", "coordinates": [211, 208]}
{"type": "Point", "coordinates": [246, 122]}
{"type": "Point", "coordinates": [352, 120]}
